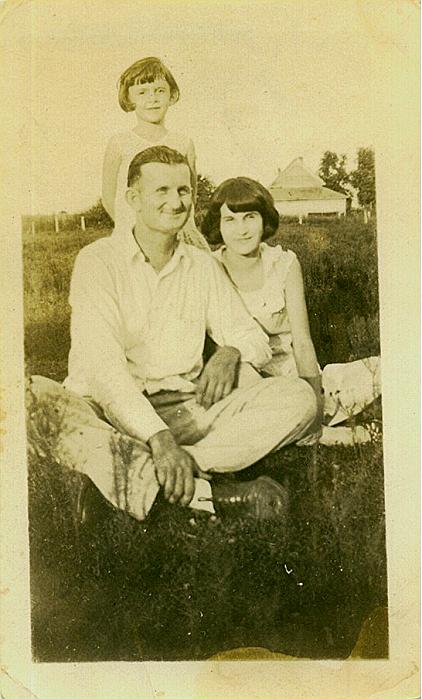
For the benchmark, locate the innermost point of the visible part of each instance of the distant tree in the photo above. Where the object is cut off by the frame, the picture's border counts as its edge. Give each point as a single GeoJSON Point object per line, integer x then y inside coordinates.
{"type": "Point", "coordinates": [97, 217]}
{"type": "Point", "coordinates": [205, 188]}
{"type": "Point", "coordinates": [363, 178]}
{"type": "Point", "coordinates": [332, 171]}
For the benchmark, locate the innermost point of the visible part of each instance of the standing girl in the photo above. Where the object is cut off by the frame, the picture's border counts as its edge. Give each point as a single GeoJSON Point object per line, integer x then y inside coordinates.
{"type": "Point", "coordinates": [147, 88]}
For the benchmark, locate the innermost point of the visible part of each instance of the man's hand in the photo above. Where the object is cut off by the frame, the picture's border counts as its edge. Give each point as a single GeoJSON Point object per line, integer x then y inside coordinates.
{"type": "Point", "coordinates": [218, 377]}
{"type": "Point", "coordinates": [175, 468]}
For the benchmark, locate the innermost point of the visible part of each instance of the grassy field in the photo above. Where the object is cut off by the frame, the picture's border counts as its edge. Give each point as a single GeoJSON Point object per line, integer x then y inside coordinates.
{"type": "Point", "coordinates": [182, 585]}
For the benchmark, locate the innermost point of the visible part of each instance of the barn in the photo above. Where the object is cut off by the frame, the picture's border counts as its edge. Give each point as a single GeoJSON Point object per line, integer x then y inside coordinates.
{"type": "Point", "coordinates": [297, 191]}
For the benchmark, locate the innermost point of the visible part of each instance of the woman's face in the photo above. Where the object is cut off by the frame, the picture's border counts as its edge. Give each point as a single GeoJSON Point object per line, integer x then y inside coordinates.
{"type": "Point", "coordinates": [241, 231]}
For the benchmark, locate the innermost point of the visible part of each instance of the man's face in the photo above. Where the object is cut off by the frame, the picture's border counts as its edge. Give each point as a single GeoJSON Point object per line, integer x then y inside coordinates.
{"type": "Point", "coordinates": [162, 197]}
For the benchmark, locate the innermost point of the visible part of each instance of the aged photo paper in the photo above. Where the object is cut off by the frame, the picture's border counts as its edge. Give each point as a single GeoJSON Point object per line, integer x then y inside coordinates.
{"type": "Point", "coordinates": [263, 83]}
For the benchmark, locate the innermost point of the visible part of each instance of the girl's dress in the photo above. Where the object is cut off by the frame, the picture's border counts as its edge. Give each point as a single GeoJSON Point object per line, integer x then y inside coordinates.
{"type": "Point", "coordinates": [125, 145]}
{"type": "Point", "coordinates": [348, 388]}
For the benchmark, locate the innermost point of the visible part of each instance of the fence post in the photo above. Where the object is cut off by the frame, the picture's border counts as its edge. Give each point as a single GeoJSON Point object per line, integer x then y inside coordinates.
{"type": "Point", "coordinates": [56, 223]}
{"type": "Point", "coordinates": [300, 220]}
{"type": "Point", "coordinates": [83, 223]}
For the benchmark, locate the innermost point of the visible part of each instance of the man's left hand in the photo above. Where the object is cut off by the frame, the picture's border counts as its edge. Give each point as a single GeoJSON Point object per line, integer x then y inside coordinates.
{"type": "Point", "coordinates": [218, 377]}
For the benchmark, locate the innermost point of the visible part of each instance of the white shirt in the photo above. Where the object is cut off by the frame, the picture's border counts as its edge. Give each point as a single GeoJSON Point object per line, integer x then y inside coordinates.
{"type": "Point", "coordinates": [135, 330]}
{"type": "Point", "coordinates": [268, 306]}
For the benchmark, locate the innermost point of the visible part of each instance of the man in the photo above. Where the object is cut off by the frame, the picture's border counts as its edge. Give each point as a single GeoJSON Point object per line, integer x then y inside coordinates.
{"type": "Point", "coordinates": [142, 303]}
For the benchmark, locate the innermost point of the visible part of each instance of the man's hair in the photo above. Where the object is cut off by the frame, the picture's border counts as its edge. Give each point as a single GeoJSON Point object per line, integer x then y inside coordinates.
{"type": "Point", "coordinates": [239, 194]}
{"type": "Point", "coordinates": [155, 154]}
{"type": "Point", "coordinates": [145, 71]}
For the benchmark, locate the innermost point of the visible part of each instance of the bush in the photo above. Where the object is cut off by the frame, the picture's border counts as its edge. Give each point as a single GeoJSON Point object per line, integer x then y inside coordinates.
{"type": "Point", "coordinates": [97, 217]}
{"type": "Point", "coordinates": [340, 268]}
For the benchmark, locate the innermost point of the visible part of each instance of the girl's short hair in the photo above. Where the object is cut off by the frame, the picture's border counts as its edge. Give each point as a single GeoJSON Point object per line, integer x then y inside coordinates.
{"type": "Point", "coordinates": [145, 71]}
{"type": "Point", "coordinates": [239, 194]}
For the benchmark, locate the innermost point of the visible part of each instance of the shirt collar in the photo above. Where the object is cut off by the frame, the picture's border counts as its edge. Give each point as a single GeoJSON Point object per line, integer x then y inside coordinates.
{"type": "Point", "coordinates": [126, 243]}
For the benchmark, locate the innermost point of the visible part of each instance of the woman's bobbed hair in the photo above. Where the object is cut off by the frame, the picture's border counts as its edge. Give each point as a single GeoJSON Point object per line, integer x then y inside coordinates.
{"type": "Point", "coordinates": [145, 71]}
{"type": "Point", "coordinates": [239, 194]}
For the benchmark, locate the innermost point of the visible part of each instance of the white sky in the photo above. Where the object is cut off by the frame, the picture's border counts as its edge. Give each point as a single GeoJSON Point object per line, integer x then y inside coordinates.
{"type": "Point", "coordinates": [261, 83]}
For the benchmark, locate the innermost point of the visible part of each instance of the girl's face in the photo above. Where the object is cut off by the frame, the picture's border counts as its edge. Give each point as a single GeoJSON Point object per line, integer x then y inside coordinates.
{"type": "Point", "coordinates": [241, 231]}
{"type": "Point", "coordinates": [151, 100]}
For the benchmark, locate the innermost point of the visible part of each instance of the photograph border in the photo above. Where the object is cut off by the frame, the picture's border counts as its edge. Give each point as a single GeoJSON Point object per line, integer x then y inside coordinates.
{"type": "Point", "coordinates": [397, 170]}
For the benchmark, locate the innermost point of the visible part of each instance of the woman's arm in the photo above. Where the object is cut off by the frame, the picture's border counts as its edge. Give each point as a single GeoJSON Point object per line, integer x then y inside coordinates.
{"type": "Point", "coordinates": [303, 347]}
{"type": "Point", "coordinates": [191, 156]}
{"type": "Point", "coordinates": [111, 165]}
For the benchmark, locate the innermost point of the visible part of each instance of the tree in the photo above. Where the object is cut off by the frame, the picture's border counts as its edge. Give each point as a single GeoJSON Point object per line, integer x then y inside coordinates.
{"type": "Point", "coordinates": [363, 178]}
{"type": "Point", "coordinates": [97, 217]}
{"type": "Point", "coordinates": [205, 188]}
{"type": "Point", "coordinates": [333, 171]}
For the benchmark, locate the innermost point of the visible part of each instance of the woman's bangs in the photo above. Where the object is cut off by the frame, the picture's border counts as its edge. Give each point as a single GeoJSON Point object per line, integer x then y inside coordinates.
{"type": "Point", "coordinates": [243, 201]}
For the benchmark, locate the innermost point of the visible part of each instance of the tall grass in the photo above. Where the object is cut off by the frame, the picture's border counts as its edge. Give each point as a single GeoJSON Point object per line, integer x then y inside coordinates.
{"type": "Point", "coordinates": [183, 585]}
{"type": "Point", "coordinates": [340, 268]}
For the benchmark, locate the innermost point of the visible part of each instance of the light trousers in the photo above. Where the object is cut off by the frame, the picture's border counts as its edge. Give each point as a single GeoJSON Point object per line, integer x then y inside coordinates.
{"type": "Point", "coordinates": [260, 416]}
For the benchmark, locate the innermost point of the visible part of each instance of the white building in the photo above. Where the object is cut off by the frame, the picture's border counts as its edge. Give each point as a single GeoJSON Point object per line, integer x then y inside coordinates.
{"type": "Point", "coordinates": [299, 192]}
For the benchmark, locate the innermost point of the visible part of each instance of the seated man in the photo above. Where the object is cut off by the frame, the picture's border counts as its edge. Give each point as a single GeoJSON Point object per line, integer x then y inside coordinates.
{"type": "Point", "coordinates": [143, 413]}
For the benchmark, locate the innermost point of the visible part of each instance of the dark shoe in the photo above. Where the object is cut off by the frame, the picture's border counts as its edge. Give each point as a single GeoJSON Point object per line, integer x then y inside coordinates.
{"type": "Point", "coordinates": [262, 498]}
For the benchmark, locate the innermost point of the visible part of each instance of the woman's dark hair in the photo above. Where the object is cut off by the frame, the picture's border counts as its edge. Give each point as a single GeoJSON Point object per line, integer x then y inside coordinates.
{"type": "Point", "coordinates": [239, 194]}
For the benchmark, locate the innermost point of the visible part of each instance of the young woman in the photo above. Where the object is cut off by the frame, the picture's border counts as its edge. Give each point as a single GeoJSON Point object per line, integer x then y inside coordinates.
{"type": "Point", "coordinates": [241, 215]}
{"type": "Point", "coordinates": [147, 88]}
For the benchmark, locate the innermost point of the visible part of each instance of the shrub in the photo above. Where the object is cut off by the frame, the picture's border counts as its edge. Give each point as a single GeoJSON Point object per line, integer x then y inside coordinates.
{"type": "Point", "coordinates": [340, 268]}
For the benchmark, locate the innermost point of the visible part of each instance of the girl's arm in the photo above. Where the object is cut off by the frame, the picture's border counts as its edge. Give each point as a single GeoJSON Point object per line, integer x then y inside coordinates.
{"type": "Point", "coordinates": [303, 347]}
{"type": "Point", "coordinates": [111, 165]}
{"type": "Point", "coordinates": [191, 156]}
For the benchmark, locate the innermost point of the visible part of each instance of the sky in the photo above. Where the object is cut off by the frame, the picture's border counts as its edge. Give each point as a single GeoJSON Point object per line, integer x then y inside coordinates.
{"type": "Point", "coordinates": [261, 83]}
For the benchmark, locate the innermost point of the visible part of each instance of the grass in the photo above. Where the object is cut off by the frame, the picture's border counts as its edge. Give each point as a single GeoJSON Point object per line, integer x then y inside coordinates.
{"type": "Point", "coordinates": [182, 585]}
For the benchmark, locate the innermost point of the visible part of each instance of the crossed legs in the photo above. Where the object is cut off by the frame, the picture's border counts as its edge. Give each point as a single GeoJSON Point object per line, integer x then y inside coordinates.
{"type": "Point", "coordinates": [233, 434]}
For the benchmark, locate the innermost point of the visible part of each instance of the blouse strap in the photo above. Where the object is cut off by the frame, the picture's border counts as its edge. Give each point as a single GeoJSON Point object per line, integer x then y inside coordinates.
{"type": "Point", "coordinates": [276, 257]}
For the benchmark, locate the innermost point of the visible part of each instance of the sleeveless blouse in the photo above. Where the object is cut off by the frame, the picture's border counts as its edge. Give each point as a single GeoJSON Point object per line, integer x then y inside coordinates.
{"type": "Point", "coordinates": [268, 306]}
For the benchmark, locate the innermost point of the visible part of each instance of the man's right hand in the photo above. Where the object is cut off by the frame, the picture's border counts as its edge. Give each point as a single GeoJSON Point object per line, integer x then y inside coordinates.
{"type": "Point", "coordinates": [175, 468]}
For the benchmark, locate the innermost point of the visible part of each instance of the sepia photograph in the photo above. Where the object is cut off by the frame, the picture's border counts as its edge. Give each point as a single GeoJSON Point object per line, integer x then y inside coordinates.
{"type": "Point", "coordinates": [202, 379]}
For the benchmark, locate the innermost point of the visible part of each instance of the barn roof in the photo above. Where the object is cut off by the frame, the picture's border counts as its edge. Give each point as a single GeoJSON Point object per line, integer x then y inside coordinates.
{"type": "Point", "coordinates": [297, 182]}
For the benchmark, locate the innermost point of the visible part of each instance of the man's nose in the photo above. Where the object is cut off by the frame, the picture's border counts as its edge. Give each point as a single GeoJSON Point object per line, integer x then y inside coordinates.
{"type": "Point", "coordinates": [175, 200]}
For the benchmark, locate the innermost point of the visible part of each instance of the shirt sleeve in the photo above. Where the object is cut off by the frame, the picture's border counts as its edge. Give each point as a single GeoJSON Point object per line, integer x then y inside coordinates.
{"type": "Point", "coordinates": [98, 344]}
{"type": "Point", "coordinates": [229, 322]}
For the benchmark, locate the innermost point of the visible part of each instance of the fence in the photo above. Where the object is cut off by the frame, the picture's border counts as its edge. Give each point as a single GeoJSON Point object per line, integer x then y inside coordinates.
{"type": "Point", "coordinates": [58, 223]}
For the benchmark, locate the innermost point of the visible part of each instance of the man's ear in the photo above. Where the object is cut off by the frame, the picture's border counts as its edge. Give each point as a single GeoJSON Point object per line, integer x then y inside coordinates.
{"type": "Point", "coordinates": [132, 198]}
